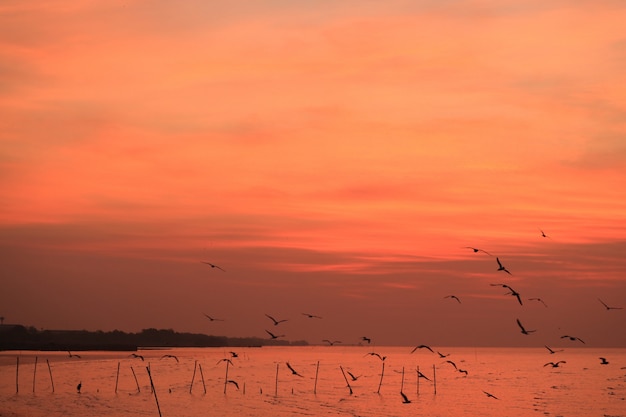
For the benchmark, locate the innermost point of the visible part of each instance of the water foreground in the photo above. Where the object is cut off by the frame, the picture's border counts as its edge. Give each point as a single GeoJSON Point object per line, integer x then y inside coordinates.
{"type": "Point", "coordinates": [263, 385]}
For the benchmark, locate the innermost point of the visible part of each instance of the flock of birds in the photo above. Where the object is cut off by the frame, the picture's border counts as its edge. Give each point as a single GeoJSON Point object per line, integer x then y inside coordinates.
{"type": "Point", "coordinates": [509, 291]}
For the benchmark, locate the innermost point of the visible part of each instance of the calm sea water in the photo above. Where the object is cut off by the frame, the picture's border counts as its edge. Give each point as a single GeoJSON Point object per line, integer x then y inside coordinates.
{"type": "Point", "coordinates": [517, 377]}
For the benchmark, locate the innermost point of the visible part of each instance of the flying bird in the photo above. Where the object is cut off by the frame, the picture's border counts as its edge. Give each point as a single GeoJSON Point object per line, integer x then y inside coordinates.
{"type": "Point", "coordinates": [273, 336]}
{"type": "Point", "coordinates": [539, 300]}
{"type": "Point", "coordinates": [552, 352]}
{"type": "Point", "coordinates": [170, 356]}
{"type": "Point", "coordinates": [213, 266]}
{"type": "Point", "coordinates": [134, 355]}
{"type": "Point", "coordinates": [453, 296]}
{"type": "Point", "coordinates": [609, 308]}
{"type": "Point", "coordinates": [573, 338]}
{"type": "Point", "coordinates": [233, 354]}
{"type": "Point", "coordinates": [501, 267]}
{"type": "Point", "coordinates": [543, 234]}
{"type": "Point", "coordinates": [293, 371]}
{"type": "Point", "coordinates": [230, 381]}
{"type": "Point", "coordinates": [354, 378]}
{"type": "Point", "coordinates": [276, 322]}
{"type": "Point", "coordinates": [463, 371]}
{"type": "Point", "coordinates": [524, 331]}
{"type": "Point", "coordinates": [511, 291]}
{"type": "Point", "coordinates": [225, 360]}
{"type": "Point", "coordinates": [421, 375]}
{"type": "Point", "coordinates": [366, 339]}
{"type": "Point", "coordinates": [603, 361]}
{"type": "Point", "coordinates": [71, 355]}
{"type": "Point", "coordinates": [331, 343]}
{"type": "Point", "coordinates": [453, 364]}
{"type": "Point", "coordinates": [382, 358]}
{"type": "Point", "coordinates": [311, 316]}
{"type": "Point", "coordinates": [553, 364]}
{"type": "Point", "coordinates": [491, 395]}
{"type": "Point", "coordinates": [441, 355]}
{"type": "Point", "coordinates": [405, 399]}
{"type": "Point", "coordinates": [211, 318]}
{"type": "Point", "coordinates": [422, 347]}
{"type": "Point", "coordinates": [478, 250]}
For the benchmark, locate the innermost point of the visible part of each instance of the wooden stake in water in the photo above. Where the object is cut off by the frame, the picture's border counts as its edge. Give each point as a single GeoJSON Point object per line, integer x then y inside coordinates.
{"type": "Point", "coordinates": [316, 372]}
{"type": "Point", "coordinates": [202, 376]}
{"type": "Point", "coordinates": [276, 386]}
{"type": "Point", "coordinates": [195, 365]}
{"type": "Point", "coordinates": [402, 383]}
{"type": "Point", "coordinates": [50, 371]}
{"type": "Point", "coordinates": [117, 377]}
{"type": "Point", "coordinates": [382, 373]}
{"type": "Point", "coordinates": [435, 379]}
{"type": "Point", "coordinates": [154, 391]}
{"type": "Point", "coordinates": [34, 373]}
{"type": "Point", "coordinates": [136, 382]}
{"type": "Point", "coordinates": [17, 375]}
{"type": "Point", "coordinates": [344, 377]}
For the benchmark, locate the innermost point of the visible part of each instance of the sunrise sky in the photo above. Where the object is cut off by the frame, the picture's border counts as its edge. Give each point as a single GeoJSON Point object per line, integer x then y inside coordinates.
{"type": "Point", "coordinates": [333, 157]}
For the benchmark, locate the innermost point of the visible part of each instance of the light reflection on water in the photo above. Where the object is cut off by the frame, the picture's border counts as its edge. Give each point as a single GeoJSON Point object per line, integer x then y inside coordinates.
{"type": "Point", "coordinates": [516, 376]}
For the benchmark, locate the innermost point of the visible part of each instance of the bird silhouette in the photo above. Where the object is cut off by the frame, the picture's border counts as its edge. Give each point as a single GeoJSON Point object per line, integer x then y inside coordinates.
{"type": "Point", "coordinates": [170, 356]}
{"type": "Point", "coordinates": [213, 266]}
{"type": "Point", "coordinates": [609, 308]}
{"type": "Point", "coordinates": [463, 371]}
{"type": "Point", "coordinates": [511, 291]}
{"type": "Point", "coordinates": [478, 250]}
{"type": "Point", "coordinates": [382, 358]}
{"type": "Point", "coordinates": [421, 375]}
{"type": "Point", "coordinates": [273, 336]}
{"type": "Point", "coordinates": [539, 300]}
{"type": "Point", "coordinates": [441, 355]}
{"type": "Point", "coordinates": [422, 347]}
{"type": "Point", "coordinates": [603, 361]}
{"type": "Point", "coordinates": [543, 234]}
{"type": "Point", "coordinates": [211, 318]}
{"type": "Point", "coordinates": [453, 364]}
{"type": "Point", "coordinates": [311, 316]}
{"type": "Point", "coordinates": [293, 371]}
{"type": "Point", "coordinates": [276, 322]}
{"type": "Point", "coordinates": [490, 395]}
{"type": "Point", "coordinates": [573, 338]}
{"type": "Point", "coordinates": [72, 355]}
{"type": "Point", "coordinates": [225, 360]}
{"type": "Point", "coordinates": [366, 339]}
{"type": "Point", "coordinates": [524, 331]}
{"type": "Point", "coordinates": [552, 352]}
{"type": "Point", "coordinates": [454, 297]}
{"type": "Point", "coordinates": [554, 364]}
{"type": "Point", "coordinates": [405, 399]}
{"type": "Point", "coordinates": [331, 343]}
{"type": "Point", "coordinates": [231, 381]}
{"type": "Point", "coordinates": [134, 355]}
{"type": "Point", "coordinates": [354, 378]}
{"type": "Point", "coordinates": [233, 354]}
{"type": "Point", "coordinates": [79, 386]}
{"type": "Point", "coordinates": [501, 267]}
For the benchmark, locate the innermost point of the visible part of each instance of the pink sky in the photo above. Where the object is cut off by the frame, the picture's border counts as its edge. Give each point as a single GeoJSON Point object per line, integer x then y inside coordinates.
{"type": "Point", "coordinates": [334, 158]}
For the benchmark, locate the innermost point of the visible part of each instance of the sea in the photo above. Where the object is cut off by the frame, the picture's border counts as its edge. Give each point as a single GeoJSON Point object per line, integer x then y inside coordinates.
{"type": "Point", "coordinates": [315, 381]}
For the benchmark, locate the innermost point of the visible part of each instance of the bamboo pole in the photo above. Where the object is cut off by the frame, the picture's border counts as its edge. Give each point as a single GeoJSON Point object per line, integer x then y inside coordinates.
{"type": "Point", "coordinates": [117, 377]}
{"type": "Point", "coordinates": [402, 383]}
{"type": "Point", "coordinates": [17, 376]}
{"type": "Point", "coordinates": [202, 376]}
{"type": "Point", "coordinates": [276, 385]}
{"type": "Point", "coordinates": [344, 377]}
{"type": "Point", "coordinates": [50, 371]}
{"type": "Point", "coordinates": [136, 382]}
{"type": "Point", "coordinates": [154, 390]}
{"type": "Point", "coordinates": [34, 374]}
{"type": "Point", "coordinates": [195, 365]}
{"type": "Point", "coordinates": [435, 379]}
{"type": "Point", "coordinates": [316, 373]}
{"type": "Point", "coordinates": [382, 373]}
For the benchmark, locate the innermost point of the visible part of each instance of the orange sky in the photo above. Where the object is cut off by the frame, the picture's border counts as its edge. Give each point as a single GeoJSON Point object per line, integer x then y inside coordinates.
{"type": "Point", "coordinates": [334, 158]}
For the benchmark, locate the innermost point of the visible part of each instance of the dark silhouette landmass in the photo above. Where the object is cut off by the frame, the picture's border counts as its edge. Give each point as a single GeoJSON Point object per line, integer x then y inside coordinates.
{"type": "Point", "coordinates": [19, 337]}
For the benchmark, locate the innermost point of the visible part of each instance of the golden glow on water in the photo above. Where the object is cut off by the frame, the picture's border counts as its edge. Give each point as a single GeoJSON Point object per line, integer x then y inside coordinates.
{"type": "Point", "coordinates": [517, 377]}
